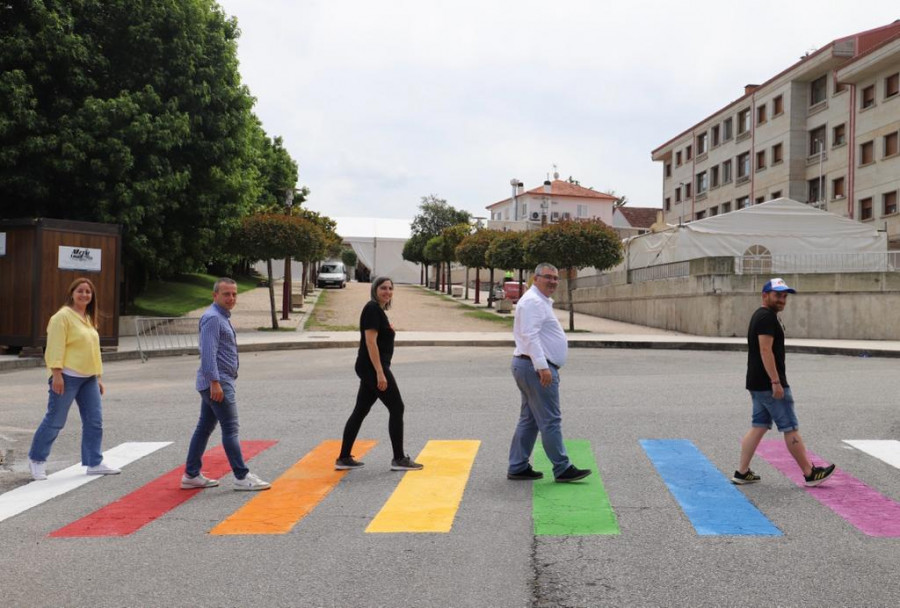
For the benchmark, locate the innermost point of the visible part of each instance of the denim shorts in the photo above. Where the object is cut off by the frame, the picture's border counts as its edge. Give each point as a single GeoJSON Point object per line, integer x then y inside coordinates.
{"type": "Point", "coordinates": [767, 409]}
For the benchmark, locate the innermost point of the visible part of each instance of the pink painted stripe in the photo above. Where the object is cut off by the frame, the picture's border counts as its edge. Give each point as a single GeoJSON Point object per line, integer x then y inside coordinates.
{"type": "Point", "coordinates": [153, 500]}
{"type": "Point", "coordinates": [864, 508]}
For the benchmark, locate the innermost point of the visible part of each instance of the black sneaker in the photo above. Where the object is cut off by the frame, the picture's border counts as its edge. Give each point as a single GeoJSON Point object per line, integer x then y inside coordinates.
{"type": "Point", "coordinates": [818, 475]}
{"type": "Point", "coordinates": [405, 464]}
{"type": "Point", "coordinates": [528, 474]}
{"type": "Point", "coordinates": [346, 463]}
{"type": "Point", "coordinates": [573, 473]}
{"type": "Point", "coordinates": [742, 478]}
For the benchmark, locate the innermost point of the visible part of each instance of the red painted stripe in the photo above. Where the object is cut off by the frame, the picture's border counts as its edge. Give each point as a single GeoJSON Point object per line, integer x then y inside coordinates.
{"type": "Point", "coordinates": [134, 511]}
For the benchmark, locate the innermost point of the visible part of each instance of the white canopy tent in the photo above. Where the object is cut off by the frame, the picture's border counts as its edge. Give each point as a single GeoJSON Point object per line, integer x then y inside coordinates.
{"type": "Point", "coordinates": [378, 244]}
{"type": "Point", "coordinates": [780, 227]}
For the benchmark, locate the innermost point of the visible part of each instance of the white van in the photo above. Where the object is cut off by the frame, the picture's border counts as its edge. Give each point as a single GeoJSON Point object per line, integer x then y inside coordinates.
{"type": "Point", "coordinates": [331, 273]}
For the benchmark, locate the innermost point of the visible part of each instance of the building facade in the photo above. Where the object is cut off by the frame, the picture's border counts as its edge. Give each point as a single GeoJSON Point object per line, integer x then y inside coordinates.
{"type": "Point", "coordinates": [554, 201]}
{"type": "Point", "coordinates": [824, 131]}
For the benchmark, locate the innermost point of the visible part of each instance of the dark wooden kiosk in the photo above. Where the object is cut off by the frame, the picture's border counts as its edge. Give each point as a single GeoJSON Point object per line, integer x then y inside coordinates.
{"type": "Point", "coordinates": [39, 259]}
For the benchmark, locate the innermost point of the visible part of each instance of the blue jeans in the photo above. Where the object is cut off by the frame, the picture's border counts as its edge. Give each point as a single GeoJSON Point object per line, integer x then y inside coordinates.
{"type": "Point", "coordinates": [225, 413]}
{"type": "Point", "coordinates": [767, 408]}
{"type": "Point", "coordinates": [540, 412]}
{"type": "Point", "coordinates": [86, 393]}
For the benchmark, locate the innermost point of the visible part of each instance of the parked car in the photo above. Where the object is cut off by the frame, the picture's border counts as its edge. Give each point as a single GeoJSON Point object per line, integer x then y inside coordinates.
{"type": "Point", "coordinates": [331, 273]}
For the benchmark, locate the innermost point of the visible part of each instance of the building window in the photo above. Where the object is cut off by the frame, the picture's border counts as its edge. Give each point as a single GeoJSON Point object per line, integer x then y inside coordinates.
{"type": "Point", "coordinates": [760, 115]}
{"type": "Point", "coordinates": [778, 105]}
{"type": "Point", "coordinates": [865, 208]}
{"type": "Point", "coordinates": [726, 207]}
{"type": "Point", "coordinates": [506, 213]}
{"type": "Point", "coordinates": [760, 160]}
{"type": "Point", "coordinates": [889, 203]}
{"type": "Point", "coordinates": [777, 154]}
{"type": "Point", "coordinates": [701, 143]}
{"type": "Point", "coordinates": [837, 187]}
{"type": "Point", "coordinates": [701, 214]}
{"type": "Point", "coordinates": [868, 96]}
{"type": "Point", "coordinates": [678, 194]}
{"type": "Point", "coordinates": [678, 159]}
{"type": "Point", "coordinates": [814, 189]}
{"type": "Point", "coordinates": [668, 169]}
{"type": "Point", "coordinates": [839, 87]}
{"type": "Point", "coordinates": [668, 203]}
{"type": "Point", "coordinates": [743, 121]}
{"type": "Point", "coordinates": [760, 200]}
{"type": "Point", "coordinates": [713, 211]}
{"type": "Point", "coordinates": [727, 129]}
{"type": "Point", "coordinates": [726, 172]}
{"type": "Point", "coordinates": [714, 177]}
{"type": "Point", "coordinates": [891, 85]}
{"type": "Point", "coordinates": [742, 203]}
{"type": "Point", "coordinates": [702, 183]}
{"type": "Point", "coordinates": [743, 165]}
{"type": "Point", "coordinates": [688, 153]}
{"type": "Point", "coordinates": [687, 191]}
{"type": "Point", "coordinates": [890, 144]}
{"type": "Point", "coordinates": [817, 141]}
{"type": "Point", "coordinates": [838, 135]}
{"type": "Point", "coordinates": [818, 90]}
{"type": "Point", "coordinates": [867, 153]}
{"type": "Point", "coordinates": [715, 136]}
{"type": "Point", "coordinates": [776, 194]}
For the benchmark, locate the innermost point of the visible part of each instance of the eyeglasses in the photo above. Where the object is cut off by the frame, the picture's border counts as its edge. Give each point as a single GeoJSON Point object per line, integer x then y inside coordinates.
{"type": "Point", "coordinates": [549, 277]}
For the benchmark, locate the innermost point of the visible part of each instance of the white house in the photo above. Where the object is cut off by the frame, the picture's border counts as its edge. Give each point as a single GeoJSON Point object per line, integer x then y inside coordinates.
{"type": "Point", "coordinates": [556, 200]}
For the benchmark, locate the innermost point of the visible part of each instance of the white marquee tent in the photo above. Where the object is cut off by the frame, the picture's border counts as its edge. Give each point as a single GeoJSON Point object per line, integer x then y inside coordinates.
{"type": "Point", "coordinates": [782, 227]}
{"type": "Point", "coordinates": [378, 244]}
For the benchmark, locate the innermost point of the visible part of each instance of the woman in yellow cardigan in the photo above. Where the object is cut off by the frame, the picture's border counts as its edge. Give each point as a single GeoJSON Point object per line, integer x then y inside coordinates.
{"type": "Point", "coordinates": [73, 360]}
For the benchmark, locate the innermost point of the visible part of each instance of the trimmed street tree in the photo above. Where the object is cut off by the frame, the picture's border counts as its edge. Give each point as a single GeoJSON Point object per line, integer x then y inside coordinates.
{"type": "Point", "coordinates": [507, 251]}
{"type": "Point", "coordinates": [472, 252]}
{"type": "Point", "coordinates": [414, 251]}
{"type": "Point", "coordinates": [571, 245]}
{"type": "Point", "coordinates": [453, 236]}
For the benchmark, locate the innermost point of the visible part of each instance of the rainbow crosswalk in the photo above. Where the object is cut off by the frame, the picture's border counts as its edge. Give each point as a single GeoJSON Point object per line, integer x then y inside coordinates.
{"type": "Point", "coordinates": [428, 501]}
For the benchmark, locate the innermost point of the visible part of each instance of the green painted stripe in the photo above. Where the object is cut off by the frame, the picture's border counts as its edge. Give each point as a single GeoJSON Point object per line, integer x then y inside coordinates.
{"type": "Point", "coordinates": [572, 509]}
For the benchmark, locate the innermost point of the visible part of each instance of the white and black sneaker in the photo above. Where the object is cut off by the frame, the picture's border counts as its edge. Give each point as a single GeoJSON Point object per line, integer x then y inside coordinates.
{"type": "Point", "coordinates": [742, 478]}
{"type": "Point", "coordinates": [346, 463]}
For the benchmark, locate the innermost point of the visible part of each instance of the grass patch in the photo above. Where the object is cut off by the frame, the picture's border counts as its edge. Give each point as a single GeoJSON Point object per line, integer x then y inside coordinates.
{"type": "Point", "coordinates": [318, 320]}
{"type": "Point", "coordinates": [268, 328]}
{"type": "Point", "coordinates": [182, 294]}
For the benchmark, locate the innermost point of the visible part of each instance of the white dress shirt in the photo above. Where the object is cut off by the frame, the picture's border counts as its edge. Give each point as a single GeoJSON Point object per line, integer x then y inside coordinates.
{"type": "Point", "coordinates": [537, 331]}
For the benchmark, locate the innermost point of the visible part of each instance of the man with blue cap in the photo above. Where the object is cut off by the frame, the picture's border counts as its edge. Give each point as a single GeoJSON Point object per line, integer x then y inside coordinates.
{"type": "Point", "coordinates": [769, 389]}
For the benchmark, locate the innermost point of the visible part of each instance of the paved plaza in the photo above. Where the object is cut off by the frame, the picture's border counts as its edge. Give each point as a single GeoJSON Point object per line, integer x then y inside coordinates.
{"type": "Point", "coordinates": [76, 549]}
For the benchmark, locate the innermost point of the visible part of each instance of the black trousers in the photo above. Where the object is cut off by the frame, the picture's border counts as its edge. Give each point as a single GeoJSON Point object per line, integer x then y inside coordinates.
{"type": "Point", "coordinates": [366, 397]}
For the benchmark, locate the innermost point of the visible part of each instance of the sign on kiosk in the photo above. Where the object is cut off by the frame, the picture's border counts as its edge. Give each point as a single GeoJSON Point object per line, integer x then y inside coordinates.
{"type": "Point", "coordinates": [79, 258]}
{"type": "Point", "coordinates": [2, 243]}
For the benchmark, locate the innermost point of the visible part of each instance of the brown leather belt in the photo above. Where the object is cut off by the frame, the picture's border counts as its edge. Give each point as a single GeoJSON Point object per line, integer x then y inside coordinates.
{"type": "Point", "coordinates": [527, 358]}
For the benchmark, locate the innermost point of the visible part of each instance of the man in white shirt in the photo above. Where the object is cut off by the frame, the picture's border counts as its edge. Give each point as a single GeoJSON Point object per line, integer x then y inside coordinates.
{"type": "Point", "coordinates": [541, 349]}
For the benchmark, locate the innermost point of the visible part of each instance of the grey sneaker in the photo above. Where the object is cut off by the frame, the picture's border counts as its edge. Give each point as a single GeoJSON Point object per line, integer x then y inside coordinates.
{"type": "Point", "coordinates": [102, 469]}
{"type": "Point", "coordinates": [405, 464]}
{"type": "Point", "coordinates": [190, 483]}
{"type": "Point", "coordinates": [347, 463]}
{"type": "Point", "coordinates": [38, 470]}
{"type": "Point", "coordinates": [251, 483]}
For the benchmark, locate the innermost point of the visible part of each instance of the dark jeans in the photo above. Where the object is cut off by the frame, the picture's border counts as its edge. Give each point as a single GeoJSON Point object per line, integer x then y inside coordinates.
{"type": "Point", "coordinates": [224, 412]}
{"type": "Point", "coordinates": [366, 397]}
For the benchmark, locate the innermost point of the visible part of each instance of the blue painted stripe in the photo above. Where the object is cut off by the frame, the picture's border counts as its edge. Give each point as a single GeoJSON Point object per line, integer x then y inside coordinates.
{"type": "Point", "coordinates": [711, 502]}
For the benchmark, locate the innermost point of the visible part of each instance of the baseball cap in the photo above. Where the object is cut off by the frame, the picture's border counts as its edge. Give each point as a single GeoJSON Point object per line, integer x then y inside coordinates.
{"type": "Point", "coordinates": [777, 285]}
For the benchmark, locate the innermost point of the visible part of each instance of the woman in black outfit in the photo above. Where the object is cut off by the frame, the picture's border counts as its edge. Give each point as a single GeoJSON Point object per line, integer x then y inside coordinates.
{"type": "Point", "coordinates": [373, 366]}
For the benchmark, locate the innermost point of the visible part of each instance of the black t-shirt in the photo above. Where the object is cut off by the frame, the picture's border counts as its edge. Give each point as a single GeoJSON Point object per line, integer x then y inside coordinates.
{"type": "Point", "coordinates": [764, 323]}
{"type": "Point", "coordinates": [373, 317]}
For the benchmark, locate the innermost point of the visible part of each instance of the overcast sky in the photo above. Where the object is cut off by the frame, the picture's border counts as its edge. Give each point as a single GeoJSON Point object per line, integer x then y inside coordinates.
{"type": "Point", "coordinates": [383, 102]}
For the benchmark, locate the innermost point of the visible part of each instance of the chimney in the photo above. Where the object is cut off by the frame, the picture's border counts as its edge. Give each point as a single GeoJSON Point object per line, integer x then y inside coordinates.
{"type": "Point", "coordinates": [547, 185]}
{"type": "Point", "coordinates": [520, 188]}
{"type": "Point", "coordinates": [749, 88]}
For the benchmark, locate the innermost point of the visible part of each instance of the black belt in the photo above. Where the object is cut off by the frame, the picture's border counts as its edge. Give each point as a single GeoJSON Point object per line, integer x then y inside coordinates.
{"type": "Point", "coordinates": [526, 357]}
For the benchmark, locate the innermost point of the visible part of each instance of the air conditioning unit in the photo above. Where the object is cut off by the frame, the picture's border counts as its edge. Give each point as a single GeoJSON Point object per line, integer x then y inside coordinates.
{"type": "Point", "coordinates": [535, 215]}
{"type": "Point", "coordinates": [554, 216]}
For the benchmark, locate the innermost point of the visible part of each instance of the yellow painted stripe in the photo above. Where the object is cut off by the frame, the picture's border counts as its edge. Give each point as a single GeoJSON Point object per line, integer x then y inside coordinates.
{"type": "Point", "coordinates": [427, 500]}
{"type": "Point", "coordinates": [293, 495]}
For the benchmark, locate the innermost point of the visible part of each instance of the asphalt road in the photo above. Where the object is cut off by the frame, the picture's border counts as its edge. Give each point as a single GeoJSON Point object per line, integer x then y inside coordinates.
{"type": "Point", "coordinates": [491, 557]}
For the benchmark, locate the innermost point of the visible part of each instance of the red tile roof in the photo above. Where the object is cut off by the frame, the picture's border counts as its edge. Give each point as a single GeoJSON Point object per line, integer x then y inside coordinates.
{"type": "Point", "coordinates": [640, 217]}
{"type": "Point", "coordinates": [561, 188]}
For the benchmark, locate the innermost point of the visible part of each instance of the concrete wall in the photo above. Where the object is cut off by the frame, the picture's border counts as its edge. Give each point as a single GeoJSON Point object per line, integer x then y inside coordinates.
{"type": "Point", "coordinates": [863, 306]}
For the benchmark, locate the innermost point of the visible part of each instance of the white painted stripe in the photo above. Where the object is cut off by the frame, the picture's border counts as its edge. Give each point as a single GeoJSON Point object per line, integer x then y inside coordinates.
{"type": "Point", "coordinates": [37, 492]}
{"type": "Point", "coordinates": [887, 450]}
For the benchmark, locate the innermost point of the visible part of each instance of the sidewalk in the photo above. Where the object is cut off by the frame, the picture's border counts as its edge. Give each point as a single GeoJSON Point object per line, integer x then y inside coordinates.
{"type": "Point", "coordinates": [591, 332]}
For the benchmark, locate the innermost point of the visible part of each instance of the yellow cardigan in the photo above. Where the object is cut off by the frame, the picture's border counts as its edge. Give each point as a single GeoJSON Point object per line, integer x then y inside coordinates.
{"type": "Point", "coordinates": [73, 343]}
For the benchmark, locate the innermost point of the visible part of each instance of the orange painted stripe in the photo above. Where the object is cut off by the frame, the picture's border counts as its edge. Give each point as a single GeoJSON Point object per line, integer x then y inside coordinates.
{"type": "Point", "coordinates": [293, 495]}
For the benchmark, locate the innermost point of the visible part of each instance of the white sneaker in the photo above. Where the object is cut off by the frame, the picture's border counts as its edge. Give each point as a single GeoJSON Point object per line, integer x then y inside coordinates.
{"type": "Point", "coordinates": [38, 470]}
{"type": "Point", "coordinates": [251, 483]}
{"type": "Point", "coordinates": [189, 483]}
{"type": "Point", "coordinates": [102, 469]}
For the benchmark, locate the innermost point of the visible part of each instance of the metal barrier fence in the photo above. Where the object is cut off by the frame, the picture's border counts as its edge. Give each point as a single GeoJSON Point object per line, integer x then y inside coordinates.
{"type": "Point", "coordinates": [662, 271]}
{"type": "Point", "coordinates": [166, 333]}
{"type": "Point", "coordinates": [804, 263]}
{"type": "Point", "coordinates": [618, 277]}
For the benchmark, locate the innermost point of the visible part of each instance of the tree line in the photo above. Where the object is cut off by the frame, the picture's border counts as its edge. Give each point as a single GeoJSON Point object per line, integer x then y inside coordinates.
{"type": "Point", "coordinates": [441, 235]}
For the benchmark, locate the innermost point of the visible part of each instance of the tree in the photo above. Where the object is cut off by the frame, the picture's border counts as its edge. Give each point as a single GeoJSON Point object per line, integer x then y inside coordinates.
{"type": "Point", "coordinates": [414, 251]}
{"type": "Point", "coordinates": [129, 113]}
{"type": "Point", "coordinates": [472, 253]}
{"type": "Point", "coordinates": [507, 251]}
{"type": "Point", "coordinates": [437, 250]}
{"type": "Point", "coordinates": [453, 236]}
{"type": "Point", "coordinates": [264, 236]}
{"type": "Point", "coordinates": [571, 245]}
{"type": "Point", "coordinates": [348, 257]}
{"type": "Point", "coordinates": [435, 215]}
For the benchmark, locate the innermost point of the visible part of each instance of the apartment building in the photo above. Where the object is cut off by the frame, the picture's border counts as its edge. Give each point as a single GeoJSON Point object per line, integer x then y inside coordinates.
{"type": "Point", "coordinates": [824, 131]}
{"type": "Point", "coordinates": [553, 201]}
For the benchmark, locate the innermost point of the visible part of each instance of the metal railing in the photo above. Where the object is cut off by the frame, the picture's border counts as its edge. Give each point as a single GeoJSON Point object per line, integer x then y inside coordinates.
{"type": "Point", "coordinates": [661, 271]}
{"type": "Point", "coordinates": [617, 277]}
{"type": "Point", "coordinates": [809, 263]}
{"type": "Point", "coordinates": [166, 333]}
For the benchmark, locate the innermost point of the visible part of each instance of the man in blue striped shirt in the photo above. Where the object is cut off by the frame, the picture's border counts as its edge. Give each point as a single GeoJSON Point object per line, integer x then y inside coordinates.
{"type": "Point", "coordinates": [215, 383]}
